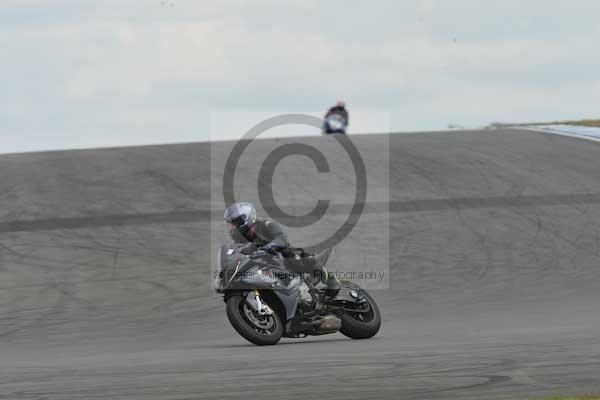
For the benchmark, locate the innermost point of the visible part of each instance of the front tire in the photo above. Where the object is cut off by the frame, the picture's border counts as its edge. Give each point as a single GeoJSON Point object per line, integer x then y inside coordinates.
{"type": "Point", "coordinates": [362, 325]}
{"type": "Point", "coordinates": [261, 331]}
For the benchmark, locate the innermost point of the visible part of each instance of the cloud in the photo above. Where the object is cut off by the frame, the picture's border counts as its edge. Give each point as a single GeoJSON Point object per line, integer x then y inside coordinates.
{"type": "Point", "coordinates": [133, 60]}
{"type": "Point", "coordinates": [160, 66]}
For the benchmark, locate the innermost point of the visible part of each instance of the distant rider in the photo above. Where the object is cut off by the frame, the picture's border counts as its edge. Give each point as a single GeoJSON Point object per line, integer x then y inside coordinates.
{"type": "Point", "coordinates": [339, 109]}
{"type": "Point", "coordinates": [264, 234]}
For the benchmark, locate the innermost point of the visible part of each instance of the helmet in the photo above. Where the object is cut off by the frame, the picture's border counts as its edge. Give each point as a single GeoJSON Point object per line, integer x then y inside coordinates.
{"type": "Point", "coordinates": [340, 103]}
{"type": "Point", "coordinates": [240, 217]}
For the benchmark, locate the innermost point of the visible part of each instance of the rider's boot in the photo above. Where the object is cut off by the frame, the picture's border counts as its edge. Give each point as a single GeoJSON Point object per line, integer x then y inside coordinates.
{"type": "Point", "coordinates": [332, 282]}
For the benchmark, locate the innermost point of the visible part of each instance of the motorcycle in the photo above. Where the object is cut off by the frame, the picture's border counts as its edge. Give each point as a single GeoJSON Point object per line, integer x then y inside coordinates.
{"type": "Point", "coordinates": [266, 301]}
{"type": "Point", "coordinates": [334, 123]}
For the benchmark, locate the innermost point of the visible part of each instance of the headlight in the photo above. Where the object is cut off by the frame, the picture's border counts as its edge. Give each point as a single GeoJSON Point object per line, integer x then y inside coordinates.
{"type": "Point", "coordinates": [257, 274]}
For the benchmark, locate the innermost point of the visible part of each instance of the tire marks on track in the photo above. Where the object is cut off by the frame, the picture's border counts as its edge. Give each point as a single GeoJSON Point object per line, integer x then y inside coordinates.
{"type": "Point", "coordinates": [398, 206]}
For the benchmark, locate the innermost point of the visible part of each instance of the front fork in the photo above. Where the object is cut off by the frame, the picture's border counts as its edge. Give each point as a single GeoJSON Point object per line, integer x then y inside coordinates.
{"type": "Point", "coordinates": [254, 300]}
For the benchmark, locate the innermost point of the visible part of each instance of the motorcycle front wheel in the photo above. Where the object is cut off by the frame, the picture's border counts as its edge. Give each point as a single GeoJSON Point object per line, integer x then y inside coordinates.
{"type": "Point", "coordinates": [262, 330]}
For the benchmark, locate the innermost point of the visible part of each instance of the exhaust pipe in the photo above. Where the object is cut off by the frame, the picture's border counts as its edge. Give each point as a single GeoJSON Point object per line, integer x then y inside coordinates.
{"type": "Point", "coordinates": [328, 324]}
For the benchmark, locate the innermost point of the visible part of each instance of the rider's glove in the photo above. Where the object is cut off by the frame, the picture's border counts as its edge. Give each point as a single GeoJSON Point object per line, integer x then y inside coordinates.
{"type": "Point", "coordinates": [248, 250]}
{"type": "Point", "coordinates": [268, 248]}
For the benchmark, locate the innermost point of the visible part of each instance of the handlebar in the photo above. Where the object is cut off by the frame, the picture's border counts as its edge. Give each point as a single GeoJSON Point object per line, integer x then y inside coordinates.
{"type": "Point", "coordinates": [244, 250]}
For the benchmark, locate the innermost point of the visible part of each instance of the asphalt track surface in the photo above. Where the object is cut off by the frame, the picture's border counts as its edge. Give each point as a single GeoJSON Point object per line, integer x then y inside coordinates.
{"type": "Point", "coordinates": [494, 285]}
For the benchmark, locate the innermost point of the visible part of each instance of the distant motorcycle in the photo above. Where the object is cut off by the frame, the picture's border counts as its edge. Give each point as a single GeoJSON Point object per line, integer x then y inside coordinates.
{"type": "Point", "coordinates": [334, 123]}
{"type": "Point", "coordinates": [265, 302]}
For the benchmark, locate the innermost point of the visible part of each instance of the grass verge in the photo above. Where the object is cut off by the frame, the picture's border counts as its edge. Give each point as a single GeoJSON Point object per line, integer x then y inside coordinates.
{"type": "Point", "coordinates": [581, 397]}
{"type": "Point", "coordinates": [583, 122]}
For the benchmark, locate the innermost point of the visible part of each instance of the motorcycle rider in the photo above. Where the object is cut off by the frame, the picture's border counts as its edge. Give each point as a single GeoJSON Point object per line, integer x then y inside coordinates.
{"type": "Point", "coordinates": [340, 109]}
{"type": "Point", "coordinates": [266, 235]}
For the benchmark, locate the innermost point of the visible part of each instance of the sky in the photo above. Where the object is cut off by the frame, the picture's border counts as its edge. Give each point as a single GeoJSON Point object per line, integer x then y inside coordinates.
{"type": "Point", "coordinates": [78, 74]}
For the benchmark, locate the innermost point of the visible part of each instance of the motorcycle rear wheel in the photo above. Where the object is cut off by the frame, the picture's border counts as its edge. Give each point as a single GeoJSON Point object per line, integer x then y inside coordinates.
{"type": "Point", "coordinates": [361, 325]}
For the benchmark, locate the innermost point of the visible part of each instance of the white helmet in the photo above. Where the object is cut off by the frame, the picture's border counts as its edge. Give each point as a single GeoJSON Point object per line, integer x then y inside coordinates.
{"type": "Point", "coordinates": [241, 217]}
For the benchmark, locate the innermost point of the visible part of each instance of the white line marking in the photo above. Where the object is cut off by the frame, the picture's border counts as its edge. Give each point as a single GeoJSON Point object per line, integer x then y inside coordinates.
{"type": "Point", "coordinates": [552, 130]}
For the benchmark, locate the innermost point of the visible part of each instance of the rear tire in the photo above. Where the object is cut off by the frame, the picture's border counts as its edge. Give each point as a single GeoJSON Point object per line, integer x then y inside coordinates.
{"type": "Point", "coordinates": [272, 328]}
{"type": "Point", "coordinates": [355, 328]}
